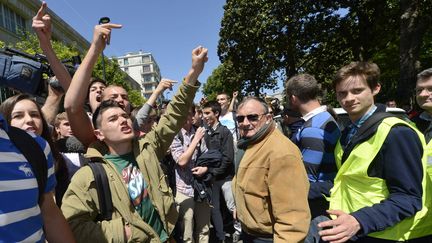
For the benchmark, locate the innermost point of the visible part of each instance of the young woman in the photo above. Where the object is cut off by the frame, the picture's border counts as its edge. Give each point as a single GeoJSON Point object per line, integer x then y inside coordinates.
{"type": "Point", "coordinates": [23, 112]}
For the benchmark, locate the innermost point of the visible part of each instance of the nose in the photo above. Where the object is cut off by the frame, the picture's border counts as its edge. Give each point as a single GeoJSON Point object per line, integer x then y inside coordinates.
{"type": "Point", "coordinates": [28, 119]}
{"type": "Point", "coordinates": [424, 93]}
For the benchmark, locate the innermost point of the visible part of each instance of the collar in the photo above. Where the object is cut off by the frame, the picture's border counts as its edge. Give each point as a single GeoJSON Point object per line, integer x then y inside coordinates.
{"type": "Point", "coordinates": [215, 126]}
{"type": "Point", "coordinates": [3, 123]}
{"type": "Point", "coordinates": [314, 112]}
{"type": "Point", "coordinates": [426, 116]}
{"type": "Point", "coordinates": [360, 121]}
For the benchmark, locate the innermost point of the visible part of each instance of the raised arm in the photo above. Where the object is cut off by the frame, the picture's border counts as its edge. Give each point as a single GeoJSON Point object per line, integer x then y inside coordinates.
{"type": "Point", "coordinates": [76, 94]}
{"type": "Point", "coordinates": [177, 110]}
{"type": "Point", "coordinates": [144, 112]}
{"type": "Point", "coordinates": [233, 104]}
{"type": "Point", "coordinates": [42, 26]}
{"type": "Point", "coordinates": [52, 104]}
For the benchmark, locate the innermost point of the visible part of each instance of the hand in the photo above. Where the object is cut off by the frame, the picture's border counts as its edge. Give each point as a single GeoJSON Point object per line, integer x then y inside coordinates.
{"type": "Point", "coordinates": [343, 228]}
{"type": "Point", "coordinates": [235, 94]}
{"type": "Point", "coordinates": [42, 25]}
{"type": "Point", "coordinates": [165, 84]}
{"type": "Point", "coordinates": [199, 170]}
{"type": "Point", "coordinates": [199, 134]}
{"type": "Point", "coordinates": [199, 57]}
{"type": "Point", "coordinates": [102, 34]}
{"type": "Point", "coordinates": [127, 232]}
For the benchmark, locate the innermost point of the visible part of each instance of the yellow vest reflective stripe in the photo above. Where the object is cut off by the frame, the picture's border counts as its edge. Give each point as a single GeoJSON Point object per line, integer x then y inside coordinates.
{"type": "Point", "coordinates": [353, 189]}
{"type": "Point", "coordinates": [429, 158]}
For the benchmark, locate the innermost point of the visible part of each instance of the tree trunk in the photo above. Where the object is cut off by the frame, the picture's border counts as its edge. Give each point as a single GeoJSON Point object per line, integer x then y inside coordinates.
{"type": "Point", "coordinates": [412, 28]}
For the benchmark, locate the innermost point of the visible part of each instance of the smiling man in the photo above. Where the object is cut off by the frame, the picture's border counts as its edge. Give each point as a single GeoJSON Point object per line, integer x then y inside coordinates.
{"type": "Point", "coordinates": [270, 186]}
{"type": "Point", "coordinates": [380, 190]}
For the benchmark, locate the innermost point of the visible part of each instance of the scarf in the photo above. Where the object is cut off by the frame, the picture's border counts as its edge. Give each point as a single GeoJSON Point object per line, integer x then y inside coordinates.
{"type": "Point", "coordinates": [244, 143]}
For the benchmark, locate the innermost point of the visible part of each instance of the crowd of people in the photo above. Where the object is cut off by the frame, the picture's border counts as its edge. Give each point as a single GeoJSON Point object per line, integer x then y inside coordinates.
{"type": "Point", "coordinates": [223, 170]}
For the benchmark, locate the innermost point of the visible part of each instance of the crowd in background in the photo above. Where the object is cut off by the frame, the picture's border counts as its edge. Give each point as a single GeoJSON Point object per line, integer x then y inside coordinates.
{"type": "Point", "coordinates": [223, 170]}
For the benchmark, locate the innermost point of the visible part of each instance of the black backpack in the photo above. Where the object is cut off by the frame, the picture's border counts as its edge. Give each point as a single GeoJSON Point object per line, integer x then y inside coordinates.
{"type": "Point", "coordinates": [34, 154]}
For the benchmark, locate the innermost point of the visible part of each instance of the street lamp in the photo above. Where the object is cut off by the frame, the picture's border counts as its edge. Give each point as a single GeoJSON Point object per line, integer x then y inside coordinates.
{"type": "Point", "coordinates": [104, 20]}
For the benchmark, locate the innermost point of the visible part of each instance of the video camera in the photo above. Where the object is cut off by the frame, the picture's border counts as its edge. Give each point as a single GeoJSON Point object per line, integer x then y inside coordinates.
{"type": "Point", "coordinates": [24, 72]}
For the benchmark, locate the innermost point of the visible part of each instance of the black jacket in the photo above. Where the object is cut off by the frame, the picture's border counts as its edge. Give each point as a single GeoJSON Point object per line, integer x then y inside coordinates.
{"type": "Point", "coordinates": [221, 139]}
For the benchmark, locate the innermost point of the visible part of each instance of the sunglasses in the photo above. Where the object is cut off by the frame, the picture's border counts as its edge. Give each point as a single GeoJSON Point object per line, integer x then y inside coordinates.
{"type": "Point", "coordinates": [251, 118]}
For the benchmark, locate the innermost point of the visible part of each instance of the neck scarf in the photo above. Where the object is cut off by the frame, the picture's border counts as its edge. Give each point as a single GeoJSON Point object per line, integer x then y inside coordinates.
{"type": "Point", "coordinates": [243, 143]}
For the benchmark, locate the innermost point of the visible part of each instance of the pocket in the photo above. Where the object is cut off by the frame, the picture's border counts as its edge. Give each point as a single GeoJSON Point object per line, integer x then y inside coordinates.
{"type": "Point", "coordinates": [24, 74]}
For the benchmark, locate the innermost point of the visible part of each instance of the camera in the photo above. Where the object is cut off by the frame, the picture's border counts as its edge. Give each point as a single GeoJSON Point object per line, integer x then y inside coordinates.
{"type": "Point", "coordinates": [25, 73]}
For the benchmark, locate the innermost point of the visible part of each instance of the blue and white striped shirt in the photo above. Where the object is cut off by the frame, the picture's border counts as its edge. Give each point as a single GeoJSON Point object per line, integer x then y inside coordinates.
{"type": "Point", "coordinates": [20, 215]}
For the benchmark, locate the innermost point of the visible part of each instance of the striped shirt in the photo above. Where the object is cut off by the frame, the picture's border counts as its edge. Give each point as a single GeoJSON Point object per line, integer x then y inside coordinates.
{"type": "Point", "coordinates": [20, 215]}
{"type": "Point", "coordinates": [317, 140]}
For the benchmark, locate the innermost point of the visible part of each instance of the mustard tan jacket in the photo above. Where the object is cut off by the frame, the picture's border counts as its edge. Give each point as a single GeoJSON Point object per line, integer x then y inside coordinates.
{"type": "Point", "coordinates": [80, 202]}
{"type": "Point", "coordinates": [271, 189]}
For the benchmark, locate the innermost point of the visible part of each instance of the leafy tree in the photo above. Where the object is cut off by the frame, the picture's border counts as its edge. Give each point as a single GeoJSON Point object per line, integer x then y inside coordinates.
{"type": "Point", "coordinates": [221, 80]}
{"type": "Point", "coordinates": [275, 39]}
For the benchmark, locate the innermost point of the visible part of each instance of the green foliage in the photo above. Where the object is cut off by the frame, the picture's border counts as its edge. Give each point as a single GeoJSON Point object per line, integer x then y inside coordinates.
{"type": "Point", "coordinates": [266, 41]}
{"type": "Point", "coordinates": [30, 44]}
{"type": "Point", "coordinates": [116, 77]}
{"type": "Point", "coordinates": [2, 44]}
{"type": "Point", "coordinates": [221, 80]}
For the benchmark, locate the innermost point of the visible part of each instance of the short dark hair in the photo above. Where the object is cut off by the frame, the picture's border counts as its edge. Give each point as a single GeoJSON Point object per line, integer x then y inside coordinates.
{"type": "Point", "coordinates": [214, 106]}
{"type": "Point", "coordinates": [303, 86]}
{"type": "Point", "coordinates": [367, 70]}
{"type": "Point", "coordinates": [424, 75]}
{"type": "Point", "coordinates": [261, 101]}
{"type": "Point", "coordinates": [104, 105]}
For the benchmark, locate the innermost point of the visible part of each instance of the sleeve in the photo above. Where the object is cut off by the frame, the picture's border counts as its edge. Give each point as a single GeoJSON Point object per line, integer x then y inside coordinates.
{"type": "Point", "coordinates": [176, 149]}
{"type": "Point", "coordinates": [319, 163]}
{"type": "Point", "coordinates": [289, 198]}
{"type": "Point", "coordinates": [143, 114]}
{"type": "Point", "coordinates": [80, 210]}
{"type": "Point", "coordinates": [172, 121]}
{"type": "Point", "coordinates": [402, 170]}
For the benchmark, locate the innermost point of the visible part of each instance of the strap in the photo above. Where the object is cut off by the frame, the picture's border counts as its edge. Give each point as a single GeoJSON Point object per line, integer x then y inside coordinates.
{"type": "Point", "coordinates": [365, 131]}
{"type": "Point", "coordinates": [103, 190]}
{"type": "Point", "coordinates": [34, 155]}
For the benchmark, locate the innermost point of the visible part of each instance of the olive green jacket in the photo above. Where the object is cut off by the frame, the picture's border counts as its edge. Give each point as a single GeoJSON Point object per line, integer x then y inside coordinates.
{"type": "Point", "coordinates": [80, 202]}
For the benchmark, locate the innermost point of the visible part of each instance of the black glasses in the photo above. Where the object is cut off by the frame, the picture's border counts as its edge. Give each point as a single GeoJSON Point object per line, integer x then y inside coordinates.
{"type": "Point", "coordinates": [251, 117]}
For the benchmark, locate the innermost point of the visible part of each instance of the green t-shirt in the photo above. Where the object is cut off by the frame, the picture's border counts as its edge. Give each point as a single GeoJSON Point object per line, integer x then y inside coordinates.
{"type": "Point", "coordinates": [137, 188]}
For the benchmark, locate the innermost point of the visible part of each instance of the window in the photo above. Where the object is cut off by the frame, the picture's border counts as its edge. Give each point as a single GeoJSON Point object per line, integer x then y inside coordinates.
{"type": "Point", "coordinates": [126, 70]}
{"type": "Point", "coordinates": [148, 87]}
{"type": "Point", "coordinates": [146, 59]}
{"type": "Point", "coordinates": [147, 78]}
{"type": "Point", "coordinates": [11, 21]}
{"type": "Point", "coordinates": [126, 61]}
{"type": "Point", "coordinates": [146, 69]}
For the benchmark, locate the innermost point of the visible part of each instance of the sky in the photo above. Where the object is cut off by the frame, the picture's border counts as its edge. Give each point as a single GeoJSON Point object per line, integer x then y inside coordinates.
{"type": "Point", "coordinates": [169, 29]}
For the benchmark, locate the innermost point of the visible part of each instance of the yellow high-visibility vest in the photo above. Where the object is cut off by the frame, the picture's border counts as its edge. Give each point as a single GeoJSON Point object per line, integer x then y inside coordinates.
{"type": "Point", "coordinates": [353, 189]}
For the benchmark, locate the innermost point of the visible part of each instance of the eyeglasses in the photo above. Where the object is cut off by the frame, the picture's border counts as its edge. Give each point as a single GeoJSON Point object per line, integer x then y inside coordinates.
{"type": "Point", "coordinates": [419, 90]}
{"type": "Point", "coordinates": [250, 117]}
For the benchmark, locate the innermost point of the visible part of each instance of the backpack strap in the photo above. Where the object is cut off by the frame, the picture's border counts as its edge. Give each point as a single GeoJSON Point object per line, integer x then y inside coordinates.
{"type": "Point", "coordinates": [102, 188]}
{"type": "Point", "coordinates": [34, 154]}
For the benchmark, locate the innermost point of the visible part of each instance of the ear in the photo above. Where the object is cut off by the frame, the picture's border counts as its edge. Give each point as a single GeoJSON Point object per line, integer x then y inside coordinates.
{"type": "Point", "coordinates": [294, 100]}
{"type": "Point", "coordinates": [99, 134]}
{"type": "Point", "coordinates": [376, 90]}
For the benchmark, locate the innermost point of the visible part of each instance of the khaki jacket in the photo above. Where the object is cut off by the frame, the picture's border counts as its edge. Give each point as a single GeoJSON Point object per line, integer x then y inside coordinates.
{"type": "Point", "coordinates": [80, 202]}
{"type": "Point", "coordinates": [271, 190]}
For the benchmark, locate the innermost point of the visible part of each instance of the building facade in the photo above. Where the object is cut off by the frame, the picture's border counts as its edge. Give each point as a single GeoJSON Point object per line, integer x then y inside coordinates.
{"type": "Point", "coordinates": [143, 68]}
{"type": "Point", "coordinates": [16, 16]}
